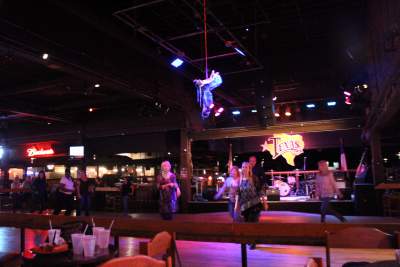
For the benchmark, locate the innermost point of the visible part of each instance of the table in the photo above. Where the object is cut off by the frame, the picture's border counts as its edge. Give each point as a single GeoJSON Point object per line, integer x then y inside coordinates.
{"type": "Point", "coordinates": [68, 259]}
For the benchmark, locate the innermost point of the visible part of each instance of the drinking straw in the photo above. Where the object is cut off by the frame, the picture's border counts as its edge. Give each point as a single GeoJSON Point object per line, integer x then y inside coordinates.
{"type": "Point", "coordinates": [54, 237]}
{"type": "Point", "coordinates": [84, 231]}
{"type": "Point", "coordinates": [109, 228]}
{"type": "Point", "coordinates": [51, 227]}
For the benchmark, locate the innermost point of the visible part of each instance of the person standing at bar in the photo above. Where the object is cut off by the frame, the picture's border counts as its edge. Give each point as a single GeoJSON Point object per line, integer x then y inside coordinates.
{"type": "Point", "coordinates": [258, 171]}
{"type": "Point", "coordinates": [84, 191]}
{"type": "Point", "coordinates": [248, 199]}
{"type": "Point", "coordinates": [231, 185]}
{"type": "Point", "coordinates": [169, 191]}
{"type": "Point", "coordinates": [65, 197]}
{"type": "Point", "coordinates": [16, 186]}
{"type": "Point", "coordinates": [326, 190]}
{"type": "Point", "coordinates": [125, 191]}
{"type": "Point", "coordinates": [39, 192]}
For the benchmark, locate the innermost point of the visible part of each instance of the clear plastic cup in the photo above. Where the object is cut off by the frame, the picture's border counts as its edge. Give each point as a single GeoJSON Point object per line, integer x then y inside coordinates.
{"type": "Point", "coordinates": [103, 238]}
{"type": "Point", "coordinates": [77, 243]}
{"type": "Point", "coordinates": [96, 233]}
{"type": "Point", "coordinates": [89, 245]}
{"type": "Point", "coordinates": [56, 238]}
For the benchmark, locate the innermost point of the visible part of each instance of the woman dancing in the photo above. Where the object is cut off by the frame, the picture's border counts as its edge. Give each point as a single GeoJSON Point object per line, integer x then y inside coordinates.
{"type": "Point", "coordinates": [169, 191]}
{"type": "Point", "coordinates": [231, 185]}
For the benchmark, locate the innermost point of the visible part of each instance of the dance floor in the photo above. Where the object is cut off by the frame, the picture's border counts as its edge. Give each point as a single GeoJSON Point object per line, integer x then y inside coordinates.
{"type": "Point", "coordinates": [196, 254]}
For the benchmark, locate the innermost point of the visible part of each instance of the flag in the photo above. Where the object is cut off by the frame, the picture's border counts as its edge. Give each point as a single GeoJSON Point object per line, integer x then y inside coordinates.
{"type": "Point", "coordinates": [343, 161]}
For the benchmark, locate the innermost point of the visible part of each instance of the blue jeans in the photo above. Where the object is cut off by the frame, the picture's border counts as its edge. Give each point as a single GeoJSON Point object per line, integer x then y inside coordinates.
{"type": "Point", "coordinates": [84, 205]}
{"type": "Point", "coordinates": [326, 209]}
{"type": "Point", "coordinates": [125, 200]}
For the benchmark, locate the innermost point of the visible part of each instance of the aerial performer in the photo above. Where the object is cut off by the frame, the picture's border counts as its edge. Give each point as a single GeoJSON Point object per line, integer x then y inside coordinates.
{"type": "Point", "coordinates": [204, 92]}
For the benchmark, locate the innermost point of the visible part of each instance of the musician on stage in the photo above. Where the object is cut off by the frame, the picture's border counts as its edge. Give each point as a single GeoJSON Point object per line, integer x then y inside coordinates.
{"type": "Point", "coordinates": [326, 190]}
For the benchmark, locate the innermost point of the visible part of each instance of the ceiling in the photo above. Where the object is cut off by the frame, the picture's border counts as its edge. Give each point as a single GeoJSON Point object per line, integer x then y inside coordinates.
{"type": "Point", "coordinates": [309, 49]}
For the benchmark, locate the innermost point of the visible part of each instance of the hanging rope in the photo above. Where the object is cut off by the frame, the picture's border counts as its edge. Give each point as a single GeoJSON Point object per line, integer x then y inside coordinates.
{"type": "Point", "coordinates": [205, 37]}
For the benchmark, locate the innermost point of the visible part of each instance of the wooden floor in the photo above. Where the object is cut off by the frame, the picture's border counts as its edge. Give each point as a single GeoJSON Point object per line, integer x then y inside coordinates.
{"type": "Point", "coordinates": [196, 254]}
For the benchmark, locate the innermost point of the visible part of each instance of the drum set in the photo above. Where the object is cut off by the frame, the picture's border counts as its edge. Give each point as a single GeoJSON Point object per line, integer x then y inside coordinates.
{"type": "Point", "coordinates": [292, 186]}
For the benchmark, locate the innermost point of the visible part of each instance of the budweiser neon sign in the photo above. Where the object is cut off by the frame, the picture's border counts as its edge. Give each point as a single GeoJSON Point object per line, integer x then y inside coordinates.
{"type": "Point", "coordinates": [39, 152]}
{"type": "Point", "coordinates": [285, 145]}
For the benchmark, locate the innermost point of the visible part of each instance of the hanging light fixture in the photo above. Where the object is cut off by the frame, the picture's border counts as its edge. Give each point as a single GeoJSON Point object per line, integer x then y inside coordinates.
{"type": "Point", "coordinates": [277, 113]}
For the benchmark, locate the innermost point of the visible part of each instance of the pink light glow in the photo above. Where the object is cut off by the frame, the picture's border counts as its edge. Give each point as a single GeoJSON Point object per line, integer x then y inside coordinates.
{"type": "Point", "coordinates": [212, 105]}
{"type": "Point", "coordinates": [220, 110]}
{"type": "Point", "coordinates": [347, 93]}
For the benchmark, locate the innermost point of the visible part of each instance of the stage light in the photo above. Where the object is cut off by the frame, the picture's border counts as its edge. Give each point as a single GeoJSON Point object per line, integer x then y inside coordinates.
{"type": "Point", "coordinates": [288, 113]}
{"type": "Point", "coordinates": [347, 101]}
{"type": "Point", "coordinates": [365, 86]}
{"type": "Point", "coordinates": [277, 113]}
{"type": "Point", "coordinates": [347, 93]}
{"type": "Point", "coordinates": [211, 106]}
{"type": "Point", "coordinates": [236, 112]}
{"type": "Point", "coordinates": [385, 160]}
{"type": "Point", "coordinates": [49, 123]}
{"type": "Point", "coordinates": [239, 51]}
{"type": "Point", "coordinates": [177, 62]}
{"type": "Point", "coordinates": [220, 110]}
{"type": "Point", "coordinates": [274, 98]}
{"type": "Point", "coordinates": [91, 109]}
{"type": "Point", "coordinates": [97, 85]}
{"type": "Point", "coordinates": [331, 103]}
{"type": "Point", "coordinates": [247, 29]}
{"type": "Point", "coordinates": [254, 111]}
{"type": "Point", "coordinates": [217, 114]}
{"type": "Point", "coordinates": [310, 105]}
{"type": "Point", "coordinates": [45, 56]}
{"type": "Point", "coordinates": [169, 153]}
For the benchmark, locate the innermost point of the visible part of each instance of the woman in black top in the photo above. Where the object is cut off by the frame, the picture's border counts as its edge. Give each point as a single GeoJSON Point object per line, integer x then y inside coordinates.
{"type": "Point", "coordinates": [84, 191]}
{"type": "Point", "coordinates": [39, 191]}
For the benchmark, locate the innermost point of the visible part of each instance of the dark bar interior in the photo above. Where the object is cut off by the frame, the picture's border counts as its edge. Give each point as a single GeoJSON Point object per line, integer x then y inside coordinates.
{"type": "Point", "coordinates": [199, 133]}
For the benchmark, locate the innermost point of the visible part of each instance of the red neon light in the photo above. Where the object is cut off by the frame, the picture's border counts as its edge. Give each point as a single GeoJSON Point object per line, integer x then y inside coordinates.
{"type": "Point", "coordinates": [35, 152]}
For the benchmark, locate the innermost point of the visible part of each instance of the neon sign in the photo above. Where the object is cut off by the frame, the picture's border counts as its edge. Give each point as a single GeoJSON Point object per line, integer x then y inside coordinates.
{"type": "Point", "coordinates": [35, 151]}
{"type": "Point", "coordinates": [285, 145]}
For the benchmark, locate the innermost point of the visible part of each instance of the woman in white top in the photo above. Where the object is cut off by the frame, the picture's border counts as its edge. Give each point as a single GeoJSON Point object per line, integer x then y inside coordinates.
{"type": "Point", "coordinates": [65, 194]}
{"type": "Point", "coordinates": [326, 190]}
{"type": "Point", "coordinates": [231, 185]}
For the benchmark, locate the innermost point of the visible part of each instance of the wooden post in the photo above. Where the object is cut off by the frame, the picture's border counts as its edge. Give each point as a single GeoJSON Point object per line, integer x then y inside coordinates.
{"type": "Point", "coordinates": [186, 169]}
{"type": "Point", "coordinates": [244, 254]}
{"type": "Point", "coordinates": [378, 171]}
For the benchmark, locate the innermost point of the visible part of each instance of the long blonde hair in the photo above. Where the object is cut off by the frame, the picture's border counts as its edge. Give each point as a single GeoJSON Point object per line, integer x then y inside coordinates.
{"type": "Point", "coordinates": [247, 171]}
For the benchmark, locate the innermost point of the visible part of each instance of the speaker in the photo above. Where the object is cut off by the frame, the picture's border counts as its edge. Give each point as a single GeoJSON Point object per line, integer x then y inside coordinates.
{"type": "Point", "coordinates": [365, 199]}
{"type": "Point", "coordinates": [264, 102]}
{"type": "Point", "coordinates": [273, 194]}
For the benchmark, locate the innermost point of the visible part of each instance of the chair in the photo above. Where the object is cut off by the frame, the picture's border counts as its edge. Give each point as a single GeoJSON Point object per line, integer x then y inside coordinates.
{"type": "Point", "coordinates": [135, 261]}
{"type": "Point", "coordinates": [160, 246]}
{"type": "Point", "coordinates": [357, 237]}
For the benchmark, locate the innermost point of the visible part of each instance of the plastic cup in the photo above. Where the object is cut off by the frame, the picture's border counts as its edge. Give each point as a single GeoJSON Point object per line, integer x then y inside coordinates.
{"type": "Point", "coordinates": [103, 238]}
{"type": "Point", "coordinates": [77, 243]}
{"type": "Point", "coordinates": [56, 238]}
{"type": "Point", "coordinates": [89, 245]}
{"type": "Point", "coordinates": [397, 252]}
{"type": "Point", "coordinates": [96, 231]}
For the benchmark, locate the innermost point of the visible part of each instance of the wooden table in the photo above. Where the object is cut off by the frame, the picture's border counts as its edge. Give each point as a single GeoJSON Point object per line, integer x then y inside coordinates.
{"type": "Point", "coordinates": [68, 259]}
{"type": "Point", "coordinates": [387, 186]}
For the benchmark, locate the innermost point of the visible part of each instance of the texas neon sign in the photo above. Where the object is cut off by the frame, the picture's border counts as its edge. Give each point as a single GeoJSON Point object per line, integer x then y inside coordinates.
{"type": "Point", "coordinates": [39, 152]}
{"type": "Point", "coordinates": [285, 145]}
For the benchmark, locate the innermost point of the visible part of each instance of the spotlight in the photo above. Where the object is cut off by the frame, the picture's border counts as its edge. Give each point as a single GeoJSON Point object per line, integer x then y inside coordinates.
{"type": "Point", "coordinates": [277, 113]}
{"type": "Point", "coordinates": [347, 93]}
{"type": "Point", "coordinates": [97, 85]}
{"type": "Point", "coordinates": [91, 109]}
{"type": "Point", "coordinates": [177, 62]}
{"type": "Point", "coordinates": [310, 105]}
{"type": "Point", "coordinates": [247, 29]}
{"type": "Point", "coordinates": [365, 86]}
{"type": "Point", "coordinates": [254, 111]}
{"type": "Point", "coordinates": [288, 113]}
{"type": "Point", "coordinates": [240, 51]}
{"type": "Point", "coordinates": [217, 114]}
{"type": "Point", "coordinates": [220, 110]}
{"type": "Point", "coordinates": [331, 103]}
{"type": "Point", "coordinates": [45, 56]}
{"type": "Point", "coordinates": [236, 112]}
{"type": "Point", "coordinates": [169, 153]}
{"type": "Point", "coordinates": [274, 98]}
{"type": "Point", "coordinates": [211, 106]}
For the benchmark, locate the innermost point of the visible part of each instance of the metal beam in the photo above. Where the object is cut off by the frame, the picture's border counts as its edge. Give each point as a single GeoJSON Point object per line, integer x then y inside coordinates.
{"type": "Point", "coordinates": [296, 127]}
